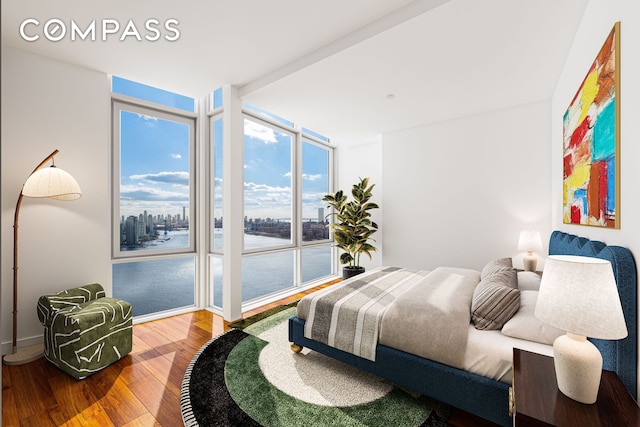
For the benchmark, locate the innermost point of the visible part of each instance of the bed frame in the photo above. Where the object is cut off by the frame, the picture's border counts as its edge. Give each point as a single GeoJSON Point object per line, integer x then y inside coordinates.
{"type": "Point", "coordinates": [482, 396]}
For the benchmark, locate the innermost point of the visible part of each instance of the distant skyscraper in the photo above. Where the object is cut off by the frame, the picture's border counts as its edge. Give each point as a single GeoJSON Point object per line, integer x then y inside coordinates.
{"type": "Point", "coordinates": [320, 215]}
{"type": "Point", "coordinates": [130, 230]}
{"type": "Point", "coordinates": [141, 229]}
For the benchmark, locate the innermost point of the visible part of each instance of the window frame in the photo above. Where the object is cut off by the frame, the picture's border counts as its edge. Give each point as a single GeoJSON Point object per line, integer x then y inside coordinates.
{"type": "Point", "coordinates": [310, 139]}
{"type": "Point", "coordinates": [295, 198]}
{"type": "Point", "coordinates": [120, 103]}
{"type": "Point", "coordinates": [214, 116]}
{"type": "Point", "coordinates": [299, 136]}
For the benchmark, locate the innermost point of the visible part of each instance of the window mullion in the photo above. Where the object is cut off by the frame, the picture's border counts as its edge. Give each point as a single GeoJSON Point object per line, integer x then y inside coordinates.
{"type": "Point", "coordinates": [297, 204]}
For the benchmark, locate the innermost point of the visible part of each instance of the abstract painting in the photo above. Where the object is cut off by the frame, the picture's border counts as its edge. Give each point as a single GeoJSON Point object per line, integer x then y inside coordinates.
{"type": "Point", "coordinates": [591, 143]}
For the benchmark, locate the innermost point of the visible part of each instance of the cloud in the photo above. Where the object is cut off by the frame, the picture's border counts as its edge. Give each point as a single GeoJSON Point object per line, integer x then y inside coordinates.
{"type": "Point", "coordinates": [267, 201]}
{"type": "Point", "coordinates": [149, 120]}
{"type": "Point", "coordinates": [156, 199]}
{"type": "Point", "coordinates": [176, 156]}
{"type": "Point", "coordinates": [261, 132]}
{"type": "Point", "coordinates": [306, 176]}
{"type": "Point", "coordinates": [315, 197]}
{"type": "Point", "coordinates": [176, 178]}
{"type": "Point", "coordinates": [253, 187]}
{"type": "Point", "coordinates": [312, 177]}
{"type": "Point", "coordinates": [143, 193]}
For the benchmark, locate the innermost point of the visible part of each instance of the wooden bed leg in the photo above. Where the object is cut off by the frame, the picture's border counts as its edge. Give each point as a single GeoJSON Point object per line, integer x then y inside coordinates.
{"type": "Point", "coordinates": [296, 348]}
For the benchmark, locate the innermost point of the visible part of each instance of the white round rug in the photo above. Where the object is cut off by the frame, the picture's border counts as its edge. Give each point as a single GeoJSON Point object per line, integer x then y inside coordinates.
{"type": "Point", "coordinates": [314, 378]}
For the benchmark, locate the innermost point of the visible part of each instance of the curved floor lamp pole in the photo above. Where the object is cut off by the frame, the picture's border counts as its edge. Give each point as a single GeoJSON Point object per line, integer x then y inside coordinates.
{"type": "Point", "coordinates": [29, 353]}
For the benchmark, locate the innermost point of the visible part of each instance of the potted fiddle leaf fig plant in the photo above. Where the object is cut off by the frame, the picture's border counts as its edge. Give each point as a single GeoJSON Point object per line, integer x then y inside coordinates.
{"type": "Point", "coordinates": [352, 226]}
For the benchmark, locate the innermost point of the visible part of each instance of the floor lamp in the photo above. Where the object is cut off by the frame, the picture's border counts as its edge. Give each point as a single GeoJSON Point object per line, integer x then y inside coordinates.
{"type": "Point", "coordinates": [52, 183]}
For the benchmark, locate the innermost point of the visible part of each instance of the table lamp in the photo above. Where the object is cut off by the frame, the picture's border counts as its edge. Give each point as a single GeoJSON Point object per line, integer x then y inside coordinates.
{"type": "Point", "coordinates": [579, 295]}
{"type": "Point", "coordinates": [53, 183]}
{"type": "Point", "coordinates": [530, 241]}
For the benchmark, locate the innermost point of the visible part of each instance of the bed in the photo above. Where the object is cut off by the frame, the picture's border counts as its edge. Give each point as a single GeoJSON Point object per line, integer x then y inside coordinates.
{"type": "Point", "coordinates": [466, 386]}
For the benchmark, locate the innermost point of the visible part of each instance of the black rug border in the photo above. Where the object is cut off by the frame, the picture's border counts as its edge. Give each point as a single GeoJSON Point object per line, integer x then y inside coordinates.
{"type": "Point", "coordinates": [210, 396]}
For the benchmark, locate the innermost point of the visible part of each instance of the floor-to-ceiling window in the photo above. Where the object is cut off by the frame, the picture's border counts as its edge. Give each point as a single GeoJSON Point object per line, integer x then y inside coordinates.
{"type": "Point", "coordinates": [157, 264]}
{"type": "Point", "coordinates": [316, 255]}
{"type": "Point", "coordinates": [154, 256]}
{"type": "Point", "coordinates": [269, 230]}
{"type": "Point", "coordinates": [286, 172]}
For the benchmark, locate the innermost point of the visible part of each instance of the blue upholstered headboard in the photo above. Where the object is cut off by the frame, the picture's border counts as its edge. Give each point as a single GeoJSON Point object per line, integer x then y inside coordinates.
{"type": "Point", "coordinates": [620, 356]}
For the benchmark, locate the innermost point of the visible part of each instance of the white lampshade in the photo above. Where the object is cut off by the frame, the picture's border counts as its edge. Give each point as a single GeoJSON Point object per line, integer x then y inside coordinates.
{"type": "Point", "coordinates": [530, 241]}
{"type": "Point", "coordinates": [53, 183]}
{"type": "Point", "coordinates": [579, 295]}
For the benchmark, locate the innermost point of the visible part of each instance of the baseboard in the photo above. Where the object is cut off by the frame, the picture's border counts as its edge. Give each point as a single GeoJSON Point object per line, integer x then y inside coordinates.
{"type": "Point", "coordinates": [7, 347]}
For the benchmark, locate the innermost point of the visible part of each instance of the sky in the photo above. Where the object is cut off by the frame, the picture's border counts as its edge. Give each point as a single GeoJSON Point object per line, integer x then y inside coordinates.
{"type": "Point", "coordinates": [154, 167]}
{"type": "Point", "coordinates": [155, 157]}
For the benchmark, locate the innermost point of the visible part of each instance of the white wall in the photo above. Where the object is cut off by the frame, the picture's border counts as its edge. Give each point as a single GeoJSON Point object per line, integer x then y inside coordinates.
{"type": "Point", "coordinates": [598, 20]}
{"type": "Point", "coordinates": [360, 161]}
{"type": "Point", "coordinates": [458, 193]}
{"type": "Point", "coordinates": [47, 104]}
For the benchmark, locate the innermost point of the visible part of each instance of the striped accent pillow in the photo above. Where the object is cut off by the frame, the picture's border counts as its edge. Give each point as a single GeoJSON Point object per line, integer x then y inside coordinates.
{"type": "Point", "coordinates": [501, 271]}
{"type": "Point", "coordinates": [495, 299]}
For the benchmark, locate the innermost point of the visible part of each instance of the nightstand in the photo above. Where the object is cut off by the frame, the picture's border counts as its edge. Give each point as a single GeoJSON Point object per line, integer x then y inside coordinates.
{"type": "Point", "coordinates": [536, 400]}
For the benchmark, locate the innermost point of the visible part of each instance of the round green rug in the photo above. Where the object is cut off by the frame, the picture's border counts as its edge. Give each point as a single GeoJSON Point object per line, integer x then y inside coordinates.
{"type": "Point", "coordinates": [251, 377]}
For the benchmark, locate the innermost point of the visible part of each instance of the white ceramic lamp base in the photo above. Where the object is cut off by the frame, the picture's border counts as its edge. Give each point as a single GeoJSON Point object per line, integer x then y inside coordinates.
{"type": "Point", "coordinates": [529, 261]}
{"type": "Point", "coordinates": [24, 355]}
{"type": "Point", "coordinates": [578, 365]}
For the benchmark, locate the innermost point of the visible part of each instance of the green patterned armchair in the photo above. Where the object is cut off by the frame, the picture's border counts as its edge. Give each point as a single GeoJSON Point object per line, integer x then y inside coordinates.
{"type": "Point", "coordinates": [85, 331]}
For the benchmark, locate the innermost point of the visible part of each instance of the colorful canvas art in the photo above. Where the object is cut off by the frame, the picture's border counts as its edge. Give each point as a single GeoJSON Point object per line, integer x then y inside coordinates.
{"type": "Point", "coordinates": [591, 143]}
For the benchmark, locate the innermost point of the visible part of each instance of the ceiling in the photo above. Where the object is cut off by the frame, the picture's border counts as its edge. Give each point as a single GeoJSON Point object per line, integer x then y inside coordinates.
{"type": "Point", "coordinates": [351, 70]}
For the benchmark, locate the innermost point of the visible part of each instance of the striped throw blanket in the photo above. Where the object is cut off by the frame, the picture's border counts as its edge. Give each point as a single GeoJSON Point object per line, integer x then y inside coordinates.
{"type": "Point", "coordinates": [348, 315]}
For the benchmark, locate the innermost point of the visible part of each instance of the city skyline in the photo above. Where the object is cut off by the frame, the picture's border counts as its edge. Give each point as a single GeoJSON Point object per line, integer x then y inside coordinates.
{"type": "Point", "coordinates": [138, 230]}
{"type": "Point", "coordinates": [182, 217]}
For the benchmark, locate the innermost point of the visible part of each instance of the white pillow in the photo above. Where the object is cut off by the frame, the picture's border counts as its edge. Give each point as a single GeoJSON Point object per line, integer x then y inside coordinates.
{"type": "Point", "coordinates": [528, 281]}
{"type": "Point", "coordinates": [525, 325]}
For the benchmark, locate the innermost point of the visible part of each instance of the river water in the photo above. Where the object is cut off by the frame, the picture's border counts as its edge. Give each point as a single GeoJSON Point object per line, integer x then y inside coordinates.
{"type": "Point", "coordinates": [157, 285]}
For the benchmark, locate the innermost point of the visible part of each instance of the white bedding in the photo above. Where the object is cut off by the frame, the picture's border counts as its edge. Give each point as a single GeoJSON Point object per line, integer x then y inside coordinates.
{"type": "Point", "coordinates": [490, 353]}
{"type": "Point", "coordinates": [349, 317]}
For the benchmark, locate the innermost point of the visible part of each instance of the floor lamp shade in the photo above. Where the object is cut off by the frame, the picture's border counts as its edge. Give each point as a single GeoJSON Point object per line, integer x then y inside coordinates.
{"type": "Point", "coordinates": [579, 295]}
{"type": "Point", "coordinates": [53, 183]}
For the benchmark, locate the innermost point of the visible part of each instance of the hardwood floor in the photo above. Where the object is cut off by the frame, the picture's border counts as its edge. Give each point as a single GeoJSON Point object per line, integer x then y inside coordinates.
{"type": "Point", "coordinates": [140, 390]}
